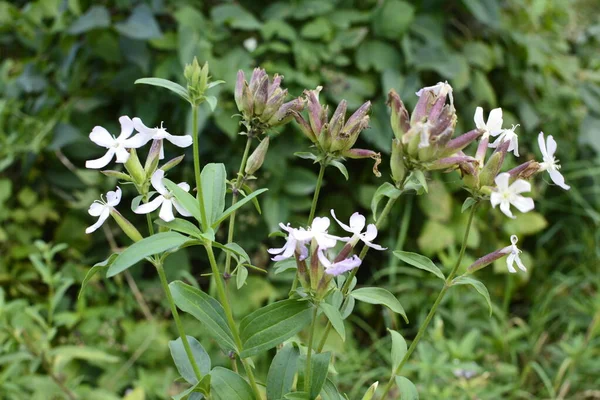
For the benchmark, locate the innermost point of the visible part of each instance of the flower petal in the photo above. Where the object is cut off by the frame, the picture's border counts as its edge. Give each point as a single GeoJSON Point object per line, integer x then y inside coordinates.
{"type": "Point", "coordinates": [320, 224]}
{"type": "Point", "coordinates": [357, 223]}
{"type": "Point", "coordinates": [101, 137]}
{"type": "Point", "coordinates": [520, 186]}
{"type": "Point", "coordinates": [344, 226]}
{"type": "Point", "coordinates": [558, 179]}
{"type": "Point", "coordinates": [542, 145]}
{"type": "Point", "coordinates": [96, 209]}
{"type": "Point", "coordinates": [502, 180]}
{"type": "Point", "coordinates": [136, 141]}
{"type": "Point", "coordinates": [324, 261]}
{"type": "Point", "coordinates": [374, 246]}
{"type": "Point", "coordinates": [102, 161]}
{"type": "Point", "coordinates": [184, 185]}
{"type": "Point", "coordinates": [122, 154]}
{"type": "Point", "coordinates": [157, 182]}
{"type": "Point", "coordinates": [509, 263]}
{"type": "Point", "coordinates": [141, 128]}
{"type": "Point", "coordinates": [103, 216]}
{"type": "Point", "coordinates": [113, 198]}
{"type": "Point", "coordinates": [343, 266]}
{"type": "Point", "coordinates": [551, 146]}
{"type": "Point", "coordinates": [479, 122]}
{"type": "Point", "coordinates": [150, 206]}
{"type": "Point", "coordinates": [494, 122]}
{"type": "Point", "coordinates": [126, 127]}
{"type": "Point", "coordinates": [166, 211]}
{"type": "Point", "coordinates": [505, 208]}
{"type": "Point", "coordinates": [179, 141]}
{"type": "Point", "coordinates": [371, 233]}
{"type": "Point", "coordinates": [181, 209]}
{"type": "Point", "coordinates": [523, 204]}
{"type": "Point", "coordinates": [495, 199]}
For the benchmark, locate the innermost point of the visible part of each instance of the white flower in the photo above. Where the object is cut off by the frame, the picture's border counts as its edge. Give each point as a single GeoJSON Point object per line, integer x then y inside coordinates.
{"type": "Point", "coordinates": [161, 133]}
{"type": "Point", "coordinates": [550, 163]}
{"type": "Point", "coordinates": [508, 135]}
{"type": "Point", "coordinates": [165, 200]}
{"type": "Point", "coordinates": [357, 223]}
{"type": "Point", "coordinates": [506, 195]}
{"type": "Point", "coordinates": [440, 89]}
{"type": "Point", "coordinates": [339, 267]}
{"type": "Point", "coordinates": [292, 245]}
{"type": "Point", "coordinates": [116, 146]}
{"type": "Point", "coordinates": [101, 208]}
{"type": "Point", "coordinates": [250, 44]}
{"type": "Point", "coordinates": [493, 126]}
{"type": "Point", "coordinates": [318, 232]}
{"type": "Point", "coordinates": [513, 255]}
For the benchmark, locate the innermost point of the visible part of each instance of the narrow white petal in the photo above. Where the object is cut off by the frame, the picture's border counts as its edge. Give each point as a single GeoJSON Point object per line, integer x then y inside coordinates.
{"type": "Point", "coordinates": [495, 199]}
{"type": "Point", "coordinates": [558, 179]}
{"type": "Point", "coordinates": [181, 209]}
{"type": "Point", "coordinates": [102, 161]}
{"type": "Point", "coordinates": [494, 122]}
{"type": "Point", "coordinates": [502, 180]}
{"type": "Point", "coordinates": [136, 141]}
{"type": "Point", "coordinates": [374, 246]}
{"type": "Point", "coordinates": [184, 185]}
{"type": "Point", "coordinates": [96, 209]}
{"type": "Point", "coordinates": [113, 198]}
{"type": "Point", "coordinates": [520, 263]}
{"type": "Point", "coordinates": [302, 235]}
{"type": "Point", "coordinates": [523, 204]}
{"type": "Point", "coordinates": [150, 206]}
{"type": "Point", "coordinates": [326, 241]}
{"type": "Point", "coordinates": [505, 208]}
{"type": "Point", "coordinates": [157, 182]}
{"type": "Point", "coordinates": [542, 145]}
{"type": "Point", "coordinates": [161, 154]}
{"type": "Point", "coordinates": [320, 224]}
{"type": "Point", "coordinates": [520, 186]}
{"type": "Point", "coordinates": [551, 146]}
{"type": "Point", "coordinates": [344, 226]}
{"type": "Point", "coordinates": [324, 261]}
{"type": "Point", "coordinates": [371, 233]}
{"type": "Point", "coordinates": [179, 141]}
{"type": "Point", "coordinates": [343, 266]}
{"type": "Point", "coordinates": [357, 222]}
{"type": "Point", "coordinates": [509, 263]}
{"type": "Point", "coordinates": [479, 123]}
{"type": "Point", "coordinates": [141, 128]}
{"type": "Point", "coordinates": [166, 211]}
{"type": "Point", "coordinates": [103, 216]}
{"type": "Point", "coordinates": [122, 154]}
{"type": "Point", "coordinates": [101, 137]}
{"type": "Point", "coordinates": [126, 127]}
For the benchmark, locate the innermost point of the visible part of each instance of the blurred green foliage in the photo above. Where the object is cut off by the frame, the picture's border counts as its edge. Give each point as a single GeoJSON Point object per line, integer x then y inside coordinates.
{"type": "Point", "coordinates": [68, 65]}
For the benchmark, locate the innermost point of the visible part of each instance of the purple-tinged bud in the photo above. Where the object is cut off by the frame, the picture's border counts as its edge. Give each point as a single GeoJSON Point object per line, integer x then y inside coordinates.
{"type": "Point", "coordinates": [305, 127]}
{"type": "Point", "coordinates": [314, 269]}
{"type": "Point", "coordinates": [364, 153]}
{"type": "Point", "coordinates": [172, 163]}
{"type": "Point", "coordinates": [239, 89]}
{"type": "Point", "coordinates": [346, 138]}
{"type": "Point", "coordinates": [256, 159]}
{"type": "Point", "coordinates": [274, 102]}
{"type": "Point", "coordinates": [256, 78]}
{"type": "Point", "coordinates": [422, 108]}
{"type": "Point", "coordinates": [482, 149]}
{"type": "Point", "coordinates": [126, 226]}
{"type": "Point", "coordinates": [315, 110]}
{"type": "Point", "coordinates": [247, 101]}
{"type": "Point", "coordinates": [337, 120]}
{"type": "Point", "coordinates": [260, 95]}
{"type": "Point", "coordinates": [357, 119]}
{"type": "Point", "coordinates": [117, 174]}
{"type": "Point", "coordinates": [525, 170]}
{"type": "Point", "coordinates": [399, 118]}
{"type": "Point", "coordinates": [438, 106]}
{"type": "Point", "coordinates": [275, 84]}
{"type": "Point", "coordinates": [153, 158]}
{"type": "Point", "coordinates": [463, 140]}
{"type": "Point", "coordinates": [451, 163]}
{"type": "Point", "coordinates": [397, 162]}
{"type": "Point", "coordinates": [285, 113]}
{"type": "Point", "coordinates": [302, 271]}
{"type": "Point", "coordinates": [344, 253]}
{"type": "Point", "coordinates": [488, 259]}
{"type": "Point", "coordinates": [493, 165]}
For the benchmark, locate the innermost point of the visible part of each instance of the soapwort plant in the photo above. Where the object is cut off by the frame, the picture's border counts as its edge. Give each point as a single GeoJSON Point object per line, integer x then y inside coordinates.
{"type": "Point", "coordinates": [325, 264]}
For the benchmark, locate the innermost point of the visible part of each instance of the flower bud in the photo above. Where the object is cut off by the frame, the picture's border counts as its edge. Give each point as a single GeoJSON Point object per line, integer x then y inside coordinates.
{"type": "Point", "coordinates": [525, 170]}
{"type": "Point", "coordinates": [493, 166]}
{"type": "Point", "coordinates": [172, 163]}
{"type": "Point", "coordinates": [316, 114]}
{"type": "Point", "coordinates": [346, 138]}
{"type": "Point", "coordinates": [239, 90]}
{"type": "Point", "coordinates": [192, 72]}
{"type": "Point", "coordinates": [363, 153]}
{"type": "Point", "coordinates": [371, 391]}
{"type": "Point", "coordinates": [399, 118]}
{"type": "Point", "coordinates": [134, 168]}
{"type": "Point", "coordinates": [285, 113]}
{"type": "Point", "coordinates": [126, 226]}
{"type": "Point", "coordinates": [153, 158]}
{"type": "Point", "coordinates": [337, 120]}
{"type": "Point", "coordinates": [463, 140]}
{"type": "Point", "coordinates": [256, 159]}
{"type": "Point", "coordinates": [260, 95]}
{"type": "Point", "coordinates": [397, 162]}
{"type": "Point", "coordinates": [257, 75]}
{"type": "Point", "coordinates": [487, 260]}
{"type": "Point", "coordinates": [422, 108]}
{"type": "Point", "coordinates": [274, 102]}
{"type": "Point", "coordinates": [305, 127]}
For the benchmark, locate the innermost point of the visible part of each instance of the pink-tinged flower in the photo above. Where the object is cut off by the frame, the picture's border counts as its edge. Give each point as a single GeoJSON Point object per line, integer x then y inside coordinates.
{"type": "Point", "coordinates": [117, 146]}
{"type": "Point", "coordinates": [338, 268]}
{"type": "Point", "coordinates": [292, 245]}
{"type": "Point", "coordinates": [513, 255]}
{"type": "Point", "coordinates": [101, 208]}
{"type": "Point", "coordinates": [357, 224]}
{"type": "Point", "coordinates": [165, 200]}
{"type": "Point", "coordinates": [160, 134]}
{"type": "Point", "coordinates": [505, 195]}
{"type": "Point", "coordinates": [508, 135]}
{"type": "Point", "coordinates": [550, 163]}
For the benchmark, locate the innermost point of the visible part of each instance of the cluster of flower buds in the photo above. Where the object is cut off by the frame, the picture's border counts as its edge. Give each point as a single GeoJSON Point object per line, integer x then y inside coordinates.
{"type": "Point", "coordinates": [316, 241]}
{"type": "Point", "coordinates": [335, 137]}
{"type": "Point", "coordinates": [423, 140]}
{"type": "Point", "coordinates": [262, 101]}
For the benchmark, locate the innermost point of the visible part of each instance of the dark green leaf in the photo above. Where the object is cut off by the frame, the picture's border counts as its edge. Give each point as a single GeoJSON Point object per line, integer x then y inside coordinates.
{"type": "Point", "coordinates": [237, 205]}
{"type": "Point", "coordinates": [227, 385]}
{"type": "Point", "coordinates": [398, 348]}
{"type": "Point", "coordinates": [146, 247]}
{"type": "Point", "coordinates": [140, 25]}
{"type": "Point", "coordinates": [214, 188]}
{"type": "Point", "coordinates": [167, 84]}
{"type": "Point", "coordinates": [268, 326]}
{"type": "Point", "coordinates": [385, 190]}
{"type": "Point", "coordinates": [319, 365]}
{"type": "Point", "coordinates": [183, 226]}
{"type": "Point", "coordinates": [188, 201]}
{"type": "Point", "coordinates": [480, 287]}
{"type": "Point", "coordinates": [375, 295]}
{"type": "Point", "coordinates": [101, 266]}
{"type": "Point", "coordinates": [96, 17]}
{"type": "Point", "coordinates": [419, 261]}
{"type": "Point", "coordinates": [407, 389]}
{"type": "Point", "coordinates": [282, 371]}
{"type": "Point", "coordinates": [334, 316]}
{"type": "Point", "coordinates": [182, 362]}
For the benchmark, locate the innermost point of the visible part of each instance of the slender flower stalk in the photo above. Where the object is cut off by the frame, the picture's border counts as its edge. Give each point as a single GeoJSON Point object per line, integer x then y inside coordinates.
{"type": "Point", "coordinates": [438, 300]}
{"type": "Point", "coordinates": [313, 206]}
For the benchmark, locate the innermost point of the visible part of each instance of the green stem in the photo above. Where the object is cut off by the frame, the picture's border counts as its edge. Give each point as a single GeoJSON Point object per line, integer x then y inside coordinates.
{"type": "Point", "coordinates": [184, 340]}
{"type": "Point", "coordinates": [222, 294]}
{"type": "Point", "coordinates": [311, 337]}
{"type": "Point", "coordinates": [363, 253]}
{"type": "Point", "coordinates": [313, 206]}
{"type": "Point", "coordinates": [401, 239]}
{"type": "Point", "coordinates": [234, 197]}
{"type": "Point", "coordinates": [196, 149]}
{"type": "Point", "coordinates": [438, 300]}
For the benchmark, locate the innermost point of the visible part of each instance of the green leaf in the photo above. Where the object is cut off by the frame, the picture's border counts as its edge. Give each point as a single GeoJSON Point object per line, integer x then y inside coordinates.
{"type": "Point", "coordinates": [399, 348]}
{"type": "Point", "coordinates": [378, 55]}
{"type": "Point", "coordinates": [64, 354]}
{"type": "Point", "coordinates": [247, 189]}
{"type": "Point", "coordinates": [385, 190]}
{"type": "Point", "coordinates": [184, 198]}
{"type": "Point", "coordinates": [341, 167]}
{"type": "Point", "coordinates": [408, 390]}
{"type": "Point", "coordinates": [419, 261]}
{"type": "Point", "coordinates": [525, 224]}
{"type": "Point", "coordinates": [235, 16]}
{"type": "Point", "coordinates": [373, 295]}
{"type": "Point", "coordinates": [212, 102]}
{"type": "Point", "coordinates": [319, 365]}
{"type": "Point", "coordinates": [182, 362]}
{"type": "Point", "coordinates": [282, 371]}
{"type": "Point", "coordinates": [334, 316]}
{"type": "Point", "coordinates": [237, 205]}
{"type": "Point", "coordinates": [227, 385]}
{"type": "Point", "coordinates": [146, 247]}
{"type": "Point", "coordinates": [183, 226]}
{"type": "Point", "coordinates": [469, 202]}
{"type": "Point", "coordinates": [96, 17]}
{"type": "Point", "coordinates": [205, 309]}
{"type": "Point", "coordinates": [417, 182]}
{"type": "Point", "coordinates": [101, 266]}
{"type": "Point", "coordinates": [235, 250]}
{"type": "Point", "coordinates": [486, 11]}
{"type": "Point", "coordinates": [306, 155]}
{"type": "Point", "coordinates": [214, 188]}
{"type": "Point", "coordinates": [141, 24]}
{"type": "Point", "coordinates": [392, 19]}
{"type": "Point", "coordinates": [167, 84]}
{"type": "Point", "coordinates": [271, 325]}
{"type": "Point", "coordinates": [480, 287]}
{"type": "Point", "coordinates": [240, 276]}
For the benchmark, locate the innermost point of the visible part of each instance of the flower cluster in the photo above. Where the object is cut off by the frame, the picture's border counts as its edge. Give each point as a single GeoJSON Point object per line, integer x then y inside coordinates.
{"type": "Point", "coordinates": [316, 240]}
{"type": "Point", "coordinates": [336, 137]}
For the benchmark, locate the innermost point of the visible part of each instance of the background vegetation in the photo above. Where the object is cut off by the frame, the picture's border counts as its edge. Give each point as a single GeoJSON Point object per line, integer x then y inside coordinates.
{"type": "Point", "coordinates": [67, 66]}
